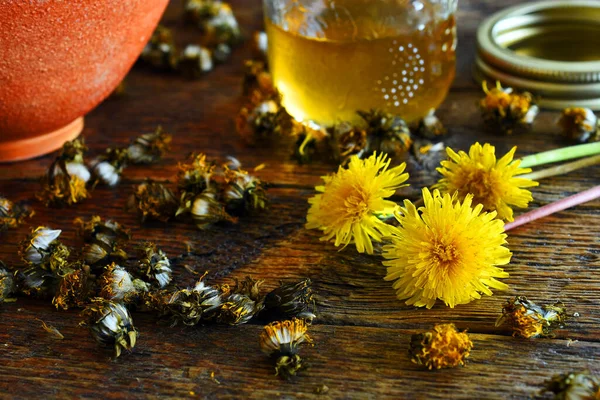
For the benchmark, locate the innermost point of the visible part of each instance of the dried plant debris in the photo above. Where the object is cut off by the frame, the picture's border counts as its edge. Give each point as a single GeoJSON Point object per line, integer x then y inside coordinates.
{"type": "Point", "coordinates": [7, 283]}
{"type": "Point", "coordinates": [263, 120]}
{"type": "Point", "coordinates": [65, 181]}
{"type": "Point", "coordinates": [42, 250]}
{"type": "Point", "coordinates": [574, 386]}
{"type": "Point", "coordinates": [13, 214]}
{"type": "Point", "coordinates": [528, 320]}
{"type": "Point", "coordinates": [149, 148]}
{"type": "Point", "coordinates": [51, 330]}
{"type": "Point", "coordinates": [108, 167]}
{"type": "Point", "coordinates": [104, 240]}
{"type": "Point", "coordinates": [153, 201]}
{"type": "Point", "coordinates": [243, 193]}
{"type": "Point", "coordinates": [290, 300]}
{"type": "Point", "coordinates": [386, 133]}
{"type": "Point", "coordinates": [281, 341]}
{"type": "Point", "coordinates": [117, 284]}
{"type": "Point", "coordinates": [161, 52]}
{"type": "Point", "coordinates": [347, 140]}
{"type": "Point", "coordinates": [506, 110]}
{"type": "Point", "coordinates": [579, 124]}
{"type": "Point", "coordinates": [110, 324]}
{"type": "Point", "coordinates": [443, 347]}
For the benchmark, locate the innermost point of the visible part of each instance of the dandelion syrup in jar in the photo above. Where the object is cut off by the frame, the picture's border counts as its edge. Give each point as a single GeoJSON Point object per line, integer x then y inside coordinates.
{"type": "Point", "coordinates": [331, 58]}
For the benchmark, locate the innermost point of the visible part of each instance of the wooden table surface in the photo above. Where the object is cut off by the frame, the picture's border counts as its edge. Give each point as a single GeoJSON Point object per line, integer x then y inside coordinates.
{"type": "Point", "coordinates": [362, 332]}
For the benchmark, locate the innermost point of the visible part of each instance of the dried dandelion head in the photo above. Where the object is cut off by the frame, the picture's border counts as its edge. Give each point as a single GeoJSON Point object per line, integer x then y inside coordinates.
{"type": "Point", "coordinates": [386, 133]}
{"type": "Point", "coordinates": [290, 300]}
{"type": "Point", "coordinates": [243, 193]}
{"type": "Point", "coordinates": [110, 324]}
{"type": "Point", "coordinates": [282, 341]}
{"type": "Point", "coordinates": [195, 61]}
{"type": "Point", "coordinates": [149, 147]}
{"type": "Point", "coordinates": [347, 141]}
{"type": "Point", "coordinates": [528, 320]}
{"type": "Point", "coordinates": [237, 309]}
{"type": "Point", "coordinates": [7, 282]}
{"type": "Point", "coordinates": [257, 79]}
{"type": "Point", "coordinates": [74, 288]}
{"type": "Point", "coordinates": [263, 120]}
{"type": "Point", "coordinates": [116, 284]}
{"type": "Point", "coordinates": [153, 201]}
{"type": "Point", "coordinates": [574, 386]}
{"type": "Point", "coordinates": [495, 184]}
{"type": "Point", "coordinates": [13, 214]}
{"type": "Point", "coordinates": [445, 250]}
{"type": "Point", "coordinates": [443, 347]}
{"type": "Point", "coordinates": [430, 126]}
{"type": "Point", "coordinates": [96, 227]}
{"type": "Point", "coordinates": [507, 110]}
{"type": "Point", "coordinates": [161, 52]}
{"type": "Point", "coordinates": [352, 200]}
{"type": "Point", "coordinates": [43, 250]}
{"type": "Point", "coordinates": [194, 178]}
{"type": "Point", "coordinates": [215, 19]}
{"type": "Point", "coordinates": [155, 264]}
{"type": "Point", "coordinates": [103, 241]}
{"type": "Point", "coordinates": [108, 167]}
{"type": "Point", "coordinates": [579, 124]}
{"type": "Point", "coordinates": [207, 210]}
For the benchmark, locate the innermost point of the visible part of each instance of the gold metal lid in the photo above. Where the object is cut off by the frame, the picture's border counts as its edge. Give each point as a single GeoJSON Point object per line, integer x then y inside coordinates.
{"type": "Point", "coordinates": [550, 48]}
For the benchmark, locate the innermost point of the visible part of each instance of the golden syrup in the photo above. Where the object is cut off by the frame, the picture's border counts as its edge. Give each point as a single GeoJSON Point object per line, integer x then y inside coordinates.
{"type": "Point", "coordinates": [328, 72]}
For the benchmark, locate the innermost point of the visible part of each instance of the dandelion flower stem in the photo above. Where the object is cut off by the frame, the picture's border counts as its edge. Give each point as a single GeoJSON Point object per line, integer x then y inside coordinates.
{"type": "Point", "coordinates": [563, 169]}
{"type": "Point", "coordinates": [562, 154]}
{"type": "Point", "coordinates": [549, 209]}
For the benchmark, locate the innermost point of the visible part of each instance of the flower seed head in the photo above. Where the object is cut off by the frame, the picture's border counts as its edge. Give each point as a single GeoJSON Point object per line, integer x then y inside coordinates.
{"type": "Point", "coordinates": [155, 265]}
{"type": "Point", "coordinates": [290, 300]}
{"type": "Point", "coordinates": [116, 284]}
{"type": "Point", "coordinates": [110, 324]}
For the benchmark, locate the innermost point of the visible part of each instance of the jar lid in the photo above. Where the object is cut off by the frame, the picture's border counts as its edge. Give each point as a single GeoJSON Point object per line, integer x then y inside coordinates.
{"type": "Point", "coordinates": [550, 48]}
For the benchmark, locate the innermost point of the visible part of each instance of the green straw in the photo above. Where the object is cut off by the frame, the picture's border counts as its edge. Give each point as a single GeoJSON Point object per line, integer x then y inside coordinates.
{"type": "Point", "coordinates": [562, 154]}
{"type": "Point", "coordinates": [562, 169]}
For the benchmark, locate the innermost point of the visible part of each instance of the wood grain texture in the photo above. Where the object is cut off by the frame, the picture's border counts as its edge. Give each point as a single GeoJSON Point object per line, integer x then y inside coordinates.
{"type": "Point", "coordinates": [362, 332]}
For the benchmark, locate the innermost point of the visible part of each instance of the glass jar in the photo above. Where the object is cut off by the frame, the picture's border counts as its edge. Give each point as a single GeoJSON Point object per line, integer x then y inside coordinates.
{"type": "Point", "coordinates": [331, 58]}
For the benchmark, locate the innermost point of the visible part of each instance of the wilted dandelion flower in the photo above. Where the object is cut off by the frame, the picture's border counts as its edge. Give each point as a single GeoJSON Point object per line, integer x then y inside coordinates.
{"type": "Point", "coordinates": [73, 289]}
{"type": "Point", "coordinates": [116, 284]}
{"type": "Point", "coordinates": [352, 200]}
{"type": "Point", "coordinates": [282, 341]}
{"type": "Point", "coordinates": [149, 147]}
{"type": "Point", "coordinates": [445, 250]}
{"type": "Point", "coordinates": [110, 324]}
{"type": "Point", "coordinates": [13, 214]}
{"type": "Point", "coordinates": [443, 347]}
{"type": "Point", "coordinates": [574, 386]}
{"type": "Point", "coordinates": [506, 109]}
{"type": "Point", "coordinates": [529, 320]}
{"type": "Point", "coordinates": [155, 264]}
{"type": "Point", "coordinates": [43, 250]}
{"type": "Point", "coordinates": [290, 300]}
{"type": "Point", "coordinates": [492, 183]}
{"type": "Point", "coordinates": [580, 124]}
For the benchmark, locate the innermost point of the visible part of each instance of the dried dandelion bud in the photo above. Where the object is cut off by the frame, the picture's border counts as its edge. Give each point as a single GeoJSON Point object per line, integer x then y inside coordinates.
{"type": "Point", "coordinates": [386, 133]}
{"type": "Point", "coordinates": [257, 79]}
{"type": "Point", "coordinates": [108, 167]}
{"type": "Point", "coordinates": [36, 281]}
{"type": "Point", "coordinates": [65, 181]}
{"type": "Point", "coordinates": [74, 288]}
{"type": "Point", "coordinates": [243, 193]}
{"type": "Point", "coordinates": [428, 154]}
{"type": "Point", "coordinates": [215, 18]}
{"type": "Point", "coordinates": [13, 214]}
{"type": "Point", "coordinates": [195, 177]}
{"type": "Point", "coordinates": [155, 265]}
{"type": "Point", "coordinates": [97, 227]}
{"type": "Point", "coordinates": [430, 127]}
{"type": "Point", "coordinates": [347, 141]}
{"type": "Point", "coordinates": [443, 347]}
{"type": "Point", "coordinates": [161, 52]}
{"type": "Point", "coordinates": [249, 287]}
{"type": "Point", "coordinates": [580, 124]}
{"type": "Point", "coordinates": [43, 250]}
{"type": "Point", "coordinates": [282, 341]}
{"type": "Point", "coordinates": [528, 320]}
{"type": "Point", "coordinates": [188, 306]}
{"type": "Point", "coordinates": [149, 147]}
{"type": "Point", "coordinates": [263, 121]}
{"type": "Point", "coordinates": [116, 284]}
{"type": "Point", "coordinates": [290, 300]}
{"type": "Point", "coordinates": [206, 210]}
{"type": "Point", "coordinates": [237, 309]}
{"type": "Point", "coordinates": [103, 240]}
{"type": "Point", "coordinates": [507, 110]}
{"type": "Point", "coordinates": [7, 282]}
{"type": "Point", "coordinates": [574, 386]}
{"type": "Point", "coordinates": [195, 61]}
{"type": "Point", "coordinates": [221, 53]}
{"type": "Point", "coordinates": [260, 45]}
{"type": "Point", "coordinates": [110, 324]}
{"type": "Point", "coordinates": [153, 201]}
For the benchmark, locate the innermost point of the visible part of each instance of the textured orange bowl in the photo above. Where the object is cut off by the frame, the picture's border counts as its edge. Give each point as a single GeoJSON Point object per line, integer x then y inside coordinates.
{"type": "Point", "coordinates": [58, 60]}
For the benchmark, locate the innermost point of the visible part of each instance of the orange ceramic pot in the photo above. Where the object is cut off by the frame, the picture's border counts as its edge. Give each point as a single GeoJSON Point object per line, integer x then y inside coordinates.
{"type": "Point", "coordinates": [58, 60]}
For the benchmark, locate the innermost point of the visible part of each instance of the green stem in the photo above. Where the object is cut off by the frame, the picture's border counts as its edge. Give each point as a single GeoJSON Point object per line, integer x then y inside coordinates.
{"type": "Point", "coordinates": [562, 154]}
{"type": "Point", "coordinates": [562, 169]}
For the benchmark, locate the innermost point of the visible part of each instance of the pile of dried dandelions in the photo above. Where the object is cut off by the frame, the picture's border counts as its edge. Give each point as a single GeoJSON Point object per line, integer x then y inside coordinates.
{"type": "Point", "coordinates": [219, 31]}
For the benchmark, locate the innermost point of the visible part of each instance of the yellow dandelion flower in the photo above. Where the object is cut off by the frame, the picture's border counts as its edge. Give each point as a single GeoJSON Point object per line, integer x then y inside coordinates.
{"type": "Point", "coordinates": [493, 183]}
{"type": "Point", "coordinates": [445, 250]}
{"type": "Point", "coordinates": [444, 347]}
{"type": "Point", "coordinates": [352, 200]}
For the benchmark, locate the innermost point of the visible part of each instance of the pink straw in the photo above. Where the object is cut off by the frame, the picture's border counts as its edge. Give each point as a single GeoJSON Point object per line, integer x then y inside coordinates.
{"type": "Point", "coordinates": [548, 209]}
